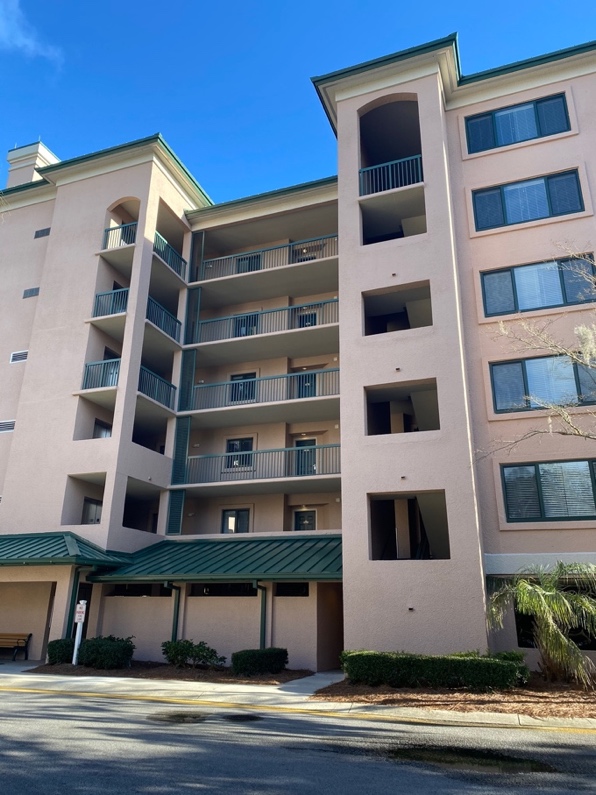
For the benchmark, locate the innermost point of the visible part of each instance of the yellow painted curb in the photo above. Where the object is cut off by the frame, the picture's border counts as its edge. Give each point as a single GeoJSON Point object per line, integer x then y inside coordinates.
{"type": "Point", "coordinates": [373, 717]}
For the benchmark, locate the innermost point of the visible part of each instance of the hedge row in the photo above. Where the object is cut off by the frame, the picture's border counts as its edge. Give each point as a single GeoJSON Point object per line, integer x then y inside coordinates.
{"type": "Point", "coordinates": [101, 652]}
{"type": "Point", "coordinates": [110, 652]}
{"type": "Point", "coordinates": [467, 670]}
{"type": "Point", "coordinates": [259, 661]}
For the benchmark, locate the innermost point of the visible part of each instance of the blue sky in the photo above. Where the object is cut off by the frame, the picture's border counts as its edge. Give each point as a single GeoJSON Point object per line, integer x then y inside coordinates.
{"type": "Point", "coordinates": [228, 83]}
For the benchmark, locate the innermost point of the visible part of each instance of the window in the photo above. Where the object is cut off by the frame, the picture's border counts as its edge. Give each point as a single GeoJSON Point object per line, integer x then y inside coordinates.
{"type": "Point", "coordinates": [6, 426]}
{"type": "Point", "coordinates": [30, 292]}
{"type": "Point", "coordinates": [246, 263]}
{"type": "Point", "coordinates": [291, 589]}
{"type": "Point", "coordinates": [239, 450]}
{"type": "Point", "coordinates": [517, 123]}
{"type": "Point", "coordinates": [18, 356]}
{"type": "Point", "coordinates": [532, 383]}
{"type": "Point", "coordinates": [101, 430]}
{"type": "Point", "coordinates": [235, 520]}
{"type": "Point", "coordinates": [558, 490]}
{"type": "Point", "coordinates": [523, 288]}
{"type": "Point", "coordinates": [528, 200]}
{"type": "Point", "coordinates": [222, 589]}
{"type": "Point", "coordinates": [91, 511]}
{"type": "Point", "coordinates": [42, 232]}
{"type": "Point", "coordinates": [305, 520]}
{"type": "Point", "coordinates": [246, 325]}
{"type": "Point", "coordinates": [243, 388]}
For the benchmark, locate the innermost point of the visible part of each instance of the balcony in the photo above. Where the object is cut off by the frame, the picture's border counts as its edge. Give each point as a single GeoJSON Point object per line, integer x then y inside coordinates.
{"type": "Point", "coordinates": [388, 176]}
{"type": "Point", "coordinates": [111, 303]}
{"type": "Point", "coordinates": [302, 330]}
{"type": "Point", "coordinates": [116, 236]}
{"type": "Point", "coordinates": [99, 375]}
{"type": "Point", "coordinates": [269, 321]}
{"type": "Point", "coordinates": [169, 255]}
{"type": "Point", "coordinates": [280, 398]}
{"type": "Point", "coordinates": [163, 319]}
{"type": "Point", "coordinates": [157, 388]}
{"type": "Point", "coordinates": [291, 469]}
{"type": "Point", "coordinates": [268, 258]}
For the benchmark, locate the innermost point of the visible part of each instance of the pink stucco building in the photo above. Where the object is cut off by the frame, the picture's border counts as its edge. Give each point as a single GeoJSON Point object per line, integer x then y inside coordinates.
{"type": "Point", "coordinates": [280, 420]}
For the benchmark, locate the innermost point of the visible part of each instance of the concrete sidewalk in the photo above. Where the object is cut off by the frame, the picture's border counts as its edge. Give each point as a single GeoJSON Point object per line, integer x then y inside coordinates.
{"type": "Point", "coordinates": [292, 697]}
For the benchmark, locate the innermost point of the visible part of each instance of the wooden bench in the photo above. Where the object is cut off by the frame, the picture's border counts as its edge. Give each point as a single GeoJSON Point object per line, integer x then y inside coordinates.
{"type": "Point", "coordinates": [17, 641]}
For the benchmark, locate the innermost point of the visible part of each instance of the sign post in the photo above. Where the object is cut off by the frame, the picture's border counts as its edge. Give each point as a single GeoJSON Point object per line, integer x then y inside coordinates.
{"type": "Point", "coordinates": [80, 612]}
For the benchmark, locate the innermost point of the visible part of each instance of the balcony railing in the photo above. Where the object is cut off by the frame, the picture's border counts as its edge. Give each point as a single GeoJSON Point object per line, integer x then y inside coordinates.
{"type": "Point", "coordinates": [111, 303]}
{"type": "Point", "coordinates": [271, 320]}
{"type": "Point", "coordinates": [387, 176]}
{"type": "Point", "coordinates": [116, 236]}
{"type": "Point", "coordinates": [169, 255]}
{"type": "Point", "coordinates": [101, 374]}
{"type": "Point", "coordinates": [289, 462]}
{"type": "Point", "coordinates": [265, 258]}
{"type": "Point", "coordinates": [163, 319]}
{"type": "Point", "coordinates": [270, 389]}
{"type": "Point", "coordinates": [157, 388]}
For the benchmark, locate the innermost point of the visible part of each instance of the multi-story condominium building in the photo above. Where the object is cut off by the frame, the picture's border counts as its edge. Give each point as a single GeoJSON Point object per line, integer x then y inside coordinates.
{"type": "Point", "coordinates": [206, 408]}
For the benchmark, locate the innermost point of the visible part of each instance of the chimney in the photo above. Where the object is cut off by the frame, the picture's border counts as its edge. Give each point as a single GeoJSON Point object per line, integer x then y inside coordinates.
{"type": "Point", "coordinates": [24, 162]}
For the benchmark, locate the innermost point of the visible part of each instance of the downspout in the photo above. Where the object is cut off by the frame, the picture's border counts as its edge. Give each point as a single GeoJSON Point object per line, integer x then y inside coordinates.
{"type": "Point", "coordinates": [262, 636]}
{"type": "Point", "coordinates": [73, 601]}
{"type": "Point", "coordinates": [177, 589]}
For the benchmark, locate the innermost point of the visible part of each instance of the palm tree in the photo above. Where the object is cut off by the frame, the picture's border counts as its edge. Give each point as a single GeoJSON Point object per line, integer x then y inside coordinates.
{"type": "Point", "coordinates": [559, 600]}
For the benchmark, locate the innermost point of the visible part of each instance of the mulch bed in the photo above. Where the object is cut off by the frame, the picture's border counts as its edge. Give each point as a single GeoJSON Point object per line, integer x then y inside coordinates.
{"type": "Point", "coordinates": [155, 670]}
{"type": "Point", "coordinates": [538, 700]}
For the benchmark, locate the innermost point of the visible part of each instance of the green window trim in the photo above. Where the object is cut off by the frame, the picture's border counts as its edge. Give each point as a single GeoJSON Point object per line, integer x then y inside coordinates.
{"type": "Point", "coordinates": [483, 130]}
{"type": "Point", "coordinates": [527, 393]}
{"type": "Point", "coordinates": [495, 208]}
{"type": "Point", "coordinates": [566, 267]}
{"type": "Point", "coordinates": [542, 499]}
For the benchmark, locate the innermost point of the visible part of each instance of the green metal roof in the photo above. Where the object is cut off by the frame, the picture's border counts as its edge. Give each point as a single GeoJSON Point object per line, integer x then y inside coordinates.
{"type": "Point", "coordinates": [44, 549]}
{"type": "Point", "coordinates": [240, 559]}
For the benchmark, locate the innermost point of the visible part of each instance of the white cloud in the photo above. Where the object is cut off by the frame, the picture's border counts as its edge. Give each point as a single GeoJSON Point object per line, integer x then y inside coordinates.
{"type": "Point", "coordinates": [16, 34]}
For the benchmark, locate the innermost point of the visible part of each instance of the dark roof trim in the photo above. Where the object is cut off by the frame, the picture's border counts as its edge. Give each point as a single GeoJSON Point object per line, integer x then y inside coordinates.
{"type": "Point", "coordinates": [529, 63]}
{"type": "Point", "coordinates": [157, 138]}
{"type": "Point", "coordinates": [402, 55]}
{"type": "Point", "coordinates": [309, 558]}
{"type": "Point", "coordinates": [278, 192]}
{"type": "Point", "coordinates": [53, 549]}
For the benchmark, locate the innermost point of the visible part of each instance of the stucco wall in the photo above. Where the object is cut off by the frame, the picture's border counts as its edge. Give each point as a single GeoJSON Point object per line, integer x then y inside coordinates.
{"type": "Point", "coordinates": [149, 619]}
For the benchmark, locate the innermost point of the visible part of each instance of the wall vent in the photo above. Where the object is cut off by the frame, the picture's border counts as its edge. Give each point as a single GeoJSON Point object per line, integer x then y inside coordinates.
{"type": "Point", "coordinates": [18, 356]}
{"type": "Point", "coordinates": [6, 426]}
{"type": "Point", "coordinates": [30, 292]}
{"type": "Point", "coordinates": [42, 232]}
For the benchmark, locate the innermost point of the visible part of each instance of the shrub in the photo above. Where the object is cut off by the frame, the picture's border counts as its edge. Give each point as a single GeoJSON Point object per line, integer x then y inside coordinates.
{"type": "Point", "coordinates": [398, 669]}
{"type": "Point", "coordinates": [177, 652]}
{"type": "Point", "coordinates": [259, 661]}
{"type": "Point", "coordinates": [60, 651]}
{"type": "Point", "coordinates": [106, 652]}
{"type": "Point", "coordinates": [185, 652]}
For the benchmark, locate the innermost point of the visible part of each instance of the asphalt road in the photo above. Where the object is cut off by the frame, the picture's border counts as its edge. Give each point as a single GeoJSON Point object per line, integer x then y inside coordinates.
{"type": "Point", "coordinates": [57, 745]}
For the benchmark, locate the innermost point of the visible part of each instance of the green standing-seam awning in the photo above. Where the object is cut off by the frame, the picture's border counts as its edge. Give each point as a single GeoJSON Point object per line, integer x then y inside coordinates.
{"type": "Point", "coordinates": [46, 549]}
{"type": "Point", "coordinates": [234, 559]}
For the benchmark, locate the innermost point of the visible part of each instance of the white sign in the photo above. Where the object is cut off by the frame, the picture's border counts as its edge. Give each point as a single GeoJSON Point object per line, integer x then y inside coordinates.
{"type": "Point", "coordinates": [80, 613]}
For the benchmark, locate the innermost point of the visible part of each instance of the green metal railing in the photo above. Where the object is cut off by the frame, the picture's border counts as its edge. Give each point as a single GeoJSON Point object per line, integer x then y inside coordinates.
{"type": "Point", "coordinates": [111, 303]}
{"type": "Point", "coordinates": [115, 236]}
{"type": "Point", "coordinates": [387, 176]}
{"type": "Point", "coordinates": [101, 374]}
{"type": "Point", "coordinates": [166, 321]}
{"type": "Point", "coordinates": [265, 258]}
{"type": "Point", "coordinates": [287, 462]}
{"type": "Point", "coordinates": [157, 388]}
{"type": "Point", "coordinates": [303, 316]}
{"type": "Point", "coordinates": [169, 255]}
{"type": "Point", "coordinates": [269, 389]}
